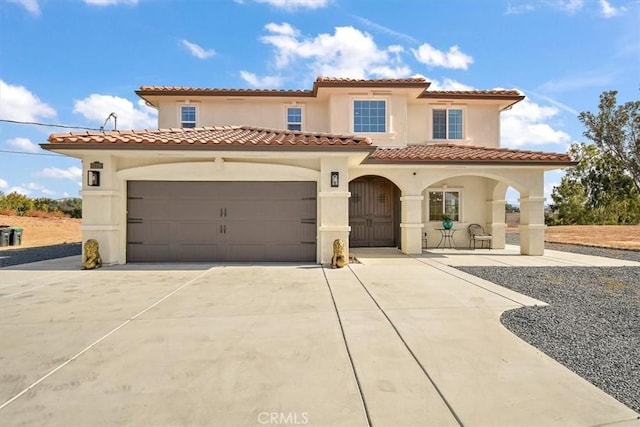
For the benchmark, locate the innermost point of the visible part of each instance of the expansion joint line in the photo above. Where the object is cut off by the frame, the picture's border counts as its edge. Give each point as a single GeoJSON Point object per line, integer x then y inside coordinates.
{"type": "Point", "coordinates": [346, 346]}
{"type": "Point", "coordinates": [467, 280]}
{"type": "Point", "coordinates": [424, 370]}
{"type": "Point", "coordinates": [99, 340]}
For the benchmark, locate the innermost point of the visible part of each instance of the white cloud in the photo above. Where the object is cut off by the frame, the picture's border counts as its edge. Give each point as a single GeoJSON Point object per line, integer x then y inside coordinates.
{"type": "Point", "coordinates": [609, 11]}
{"type": "Point", "coordinates": [20, 190]}
{"type": "Point", "coordinates": [30, 5]}
{"type": "Point", "coordinates": [97, 108]}
{"type": "Point", "coordinates": [526, 124]}
{"type": "Point", "coordinates": [519, 8]}
{"type": "Point", "coordinates": [72, 173]}
{"type": "Point", "coordinates": [34, 186]}
{"type": "Point", "coordinates": [431, 56]}
{"type": "Point", "coordinates": [3, 184]}
{"type": "Point", "coordinates": [346, 53]}
{"type": "Point", "coordinates": [24, 144]}
{"type": "Point", "coordinates": [110, 2]}
{"type": "Point", "coordinates": [285, 29]}
{"type": "Point", "coordinates": [265, 82]}
{"type": "Point", "coordinates": [296, 4]}
{"type": "Point", "coordinates": [571, 6]}
{"type": "Point", "coordinates": [18, 103]}
{"type": "Point", "coordinates": [198, 51]}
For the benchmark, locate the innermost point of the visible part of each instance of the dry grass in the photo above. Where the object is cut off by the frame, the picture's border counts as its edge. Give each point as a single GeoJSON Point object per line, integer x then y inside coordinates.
{"type": "Point", "coordinates": [609, 236]}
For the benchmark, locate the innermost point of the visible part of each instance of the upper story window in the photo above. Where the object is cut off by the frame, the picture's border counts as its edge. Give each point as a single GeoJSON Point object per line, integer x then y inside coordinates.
{"type": "Point", "coordinates": [447, 124]}
{"type": "Point", "coordinates": [370, 116]}
{"type": "Point", "coordinates": [294, 118]}
{"type": "Point", "coordinates": [444, 202]}
{"type": "Point", "coordinates": [188, 116]}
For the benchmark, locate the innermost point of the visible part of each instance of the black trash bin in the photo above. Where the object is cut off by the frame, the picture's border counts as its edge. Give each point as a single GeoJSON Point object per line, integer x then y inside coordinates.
{"type": "Point", "coordinates": [15, 238]}
{"type": "Point", "coordinates": [5, 233]}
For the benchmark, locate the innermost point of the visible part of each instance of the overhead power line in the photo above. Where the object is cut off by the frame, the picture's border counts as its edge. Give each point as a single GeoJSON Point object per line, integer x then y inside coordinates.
{"type": "Point", "coordinates": [19, 122]}
{"type": "Point", "coordinates": [31, 154]}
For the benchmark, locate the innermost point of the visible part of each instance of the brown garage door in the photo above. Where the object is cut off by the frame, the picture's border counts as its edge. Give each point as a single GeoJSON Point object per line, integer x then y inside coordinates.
{"type": "Point", "coordinates": [221, 221]}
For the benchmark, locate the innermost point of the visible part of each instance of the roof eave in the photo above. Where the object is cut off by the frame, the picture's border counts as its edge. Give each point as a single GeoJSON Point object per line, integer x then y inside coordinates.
{"type": "Point", "coordinates": [559, 163]}
{"type": "Point", "coordinates": [203, 147]}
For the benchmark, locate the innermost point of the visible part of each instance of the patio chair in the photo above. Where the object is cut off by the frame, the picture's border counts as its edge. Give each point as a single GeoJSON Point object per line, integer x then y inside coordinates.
{"type": "Point", "coordinates": [477, 234]}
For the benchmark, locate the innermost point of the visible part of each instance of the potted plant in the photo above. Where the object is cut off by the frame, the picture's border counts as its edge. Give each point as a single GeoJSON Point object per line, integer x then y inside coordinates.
{"type": "Point", "coordinates": [447, 223]}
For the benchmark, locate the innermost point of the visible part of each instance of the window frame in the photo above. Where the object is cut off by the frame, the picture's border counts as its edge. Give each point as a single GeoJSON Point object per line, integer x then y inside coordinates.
{"type": "Point", "coordinates": [182, 122]}
{"type": "Point", "coordinates": [286, 117]}
{"type": "Point", "coordinates": [448, 109]}
{"type": "Point", "coordinates": [386, 115]}
{"type": "Point", "coordinates": [457, 217]}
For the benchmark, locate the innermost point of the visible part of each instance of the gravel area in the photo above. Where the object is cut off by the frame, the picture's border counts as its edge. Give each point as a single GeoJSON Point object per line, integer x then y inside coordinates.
{"type": "Point", "coordinates": [23, 256]}
{"type": "Point", "coordinates": [592, 323]}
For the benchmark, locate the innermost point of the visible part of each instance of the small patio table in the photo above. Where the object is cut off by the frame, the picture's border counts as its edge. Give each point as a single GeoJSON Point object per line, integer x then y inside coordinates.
{"type": "Point", "coordinates": [446, 238]}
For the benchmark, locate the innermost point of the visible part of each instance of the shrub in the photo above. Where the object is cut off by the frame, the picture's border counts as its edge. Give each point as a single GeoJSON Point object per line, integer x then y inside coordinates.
{"type": "Point", "coordinates": [7, 211]}
{"type": "Point", "coordinates": [43, 214]}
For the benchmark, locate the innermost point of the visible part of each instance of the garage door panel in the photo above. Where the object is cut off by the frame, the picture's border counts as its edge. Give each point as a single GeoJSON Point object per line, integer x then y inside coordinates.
{"type": "Point", "coordinates": [265, 210]}
{"type": "Point", "coordinates": [198, 252]}
{"type": "Point", "coordinates": [221, 221]}
{"type": "Point", "coordinates": [199, 232]}
{"type": "Point", "coordinates": [148, 252]}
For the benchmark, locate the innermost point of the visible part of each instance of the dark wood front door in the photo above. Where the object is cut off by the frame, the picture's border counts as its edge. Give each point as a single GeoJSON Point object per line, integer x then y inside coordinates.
{"type": "Point", "coordinates": [373, 212]}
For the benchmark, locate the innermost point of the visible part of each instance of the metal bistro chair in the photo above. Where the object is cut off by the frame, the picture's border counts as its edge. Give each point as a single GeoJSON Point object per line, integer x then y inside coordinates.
{"type": "Point", "coordinates": [477, 234]}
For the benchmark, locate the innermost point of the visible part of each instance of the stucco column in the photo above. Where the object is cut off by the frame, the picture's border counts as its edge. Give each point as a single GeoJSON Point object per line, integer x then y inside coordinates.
{"type": "Point", "coordinates": [411, 225]}
{"type": "Point", "coordinates": [333, 207]}
{"type": "Point", "coordinates": [101, 205]}
{"type": "Point", "coordinates": [532, 225]}
{"type": "Point", "coordinates": [496, 225]}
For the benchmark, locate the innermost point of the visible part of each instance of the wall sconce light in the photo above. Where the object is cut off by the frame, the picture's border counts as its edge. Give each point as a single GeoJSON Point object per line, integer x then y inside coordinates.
{"type": "Point", "coordinates": [335, 179]}
{"type": "Point", "coordinates": [93, 178]}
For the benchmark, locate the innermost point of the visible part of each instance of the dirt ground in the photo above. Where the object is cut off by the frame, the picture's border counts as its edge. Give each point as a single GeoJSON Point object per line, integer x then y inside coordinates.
{"type": "Point", "coordinates": [610, 236]}
{"type": "Point", "coordinates": [44, 231]}
{"type": "Point", "coordinates": [52, 231]}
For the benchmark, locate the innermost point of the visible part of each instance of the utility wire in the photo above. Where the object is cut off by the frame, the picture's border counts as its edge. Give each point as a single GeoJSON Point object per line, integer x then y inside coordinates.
{"type": "Point", "coordinates": [47, 125]}
{"type": "Point", "coordinates": [32, 154]}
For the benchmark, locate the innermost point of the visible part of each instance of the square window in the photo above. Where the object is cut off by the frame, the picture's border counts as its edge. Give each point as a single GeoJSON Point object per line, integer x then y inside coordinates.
{"type": "Point", "coordinates": [369, 116]}
{"type": "Point", "coordinates": [447, 124]}
{"type": "Point", "coordinates": [443, 203]}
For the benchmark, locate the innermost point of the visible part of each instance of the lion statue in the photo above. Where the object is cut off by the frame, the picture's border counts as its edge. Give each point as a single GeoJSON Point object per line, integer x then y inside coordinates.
{"type": "Point", "coordinates": [339, 258]}
{"type": "Point", "coordinates": [91, 258]}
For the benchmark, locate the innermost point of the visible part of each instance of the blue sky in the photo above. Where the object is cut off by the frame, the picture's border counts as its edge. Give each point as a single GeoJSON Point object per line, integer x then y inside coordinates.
{"type": "Point", "coordinates": [73, 62]}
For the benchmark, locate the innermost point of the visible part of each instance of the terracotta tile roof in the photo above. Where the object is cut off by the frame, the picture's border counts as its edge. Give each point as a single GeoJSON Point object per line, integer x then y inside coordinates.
{"type": "Point", "coordinates": [418, 82]}
{"type": "Point", "coordinates": [455, 153]}
{"type": "Point", "coordinates": [196, 91]}
{"type": "Point", "coordinates": [320, 82]}
{"type": "Point", "coordinates": [220, 137]}
{"type": "Point", "coordinates": [473, 94]}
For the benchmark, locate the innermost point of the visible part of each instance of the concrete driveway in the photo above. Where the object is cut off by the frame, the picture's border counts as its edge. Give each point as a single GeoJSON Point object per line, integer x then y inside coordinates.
{"type": "Point", "coordinates": [395, 341]}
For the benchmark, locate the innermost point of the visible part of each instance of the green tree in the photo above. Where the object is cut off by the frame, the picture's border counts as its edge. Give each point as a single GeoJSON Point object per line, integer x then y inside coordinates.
{"type": "Point", "coordinates": [45, 204]}
{"type": "Point", "coordinates": [17, 202]}
{"type": "Point", "coordinates": [71, 207]}
{"type": "Point", "coordinates": [597, 191]}
{"type": "Point", "coordinates": [615, 130]}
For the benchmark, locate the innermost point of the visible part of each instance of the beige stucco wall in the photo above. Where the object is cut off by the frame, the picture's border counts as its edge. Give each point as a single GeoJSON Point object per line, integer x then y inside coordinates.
{"type": "Point", "coordinates": [408, 120]}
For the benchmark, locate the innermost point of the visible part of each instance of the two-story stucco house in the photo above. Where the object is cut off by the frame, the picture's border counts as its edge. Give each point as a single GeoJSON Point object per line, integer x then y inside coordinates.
{"type": "Point", "coordinates": [278, 175]}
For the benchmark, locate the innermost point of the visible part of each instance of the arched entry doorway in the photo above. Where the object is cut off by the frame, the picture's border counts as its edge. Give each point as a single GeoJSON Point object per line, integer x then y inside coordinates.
{"type": "Point", "coordinates": [374, 212]}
